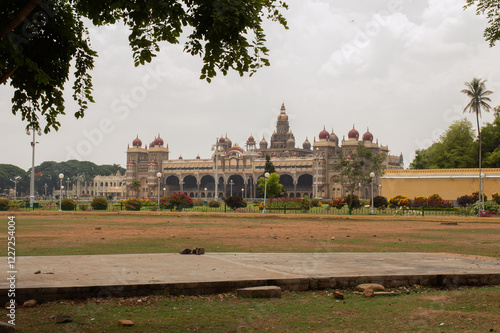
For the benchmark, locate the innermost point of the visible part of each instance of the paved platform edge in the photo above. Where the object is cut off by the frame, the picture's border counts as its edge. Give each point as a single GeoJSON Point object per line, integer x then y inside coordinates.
{"type": "Point", "coordinates": [206, 288]}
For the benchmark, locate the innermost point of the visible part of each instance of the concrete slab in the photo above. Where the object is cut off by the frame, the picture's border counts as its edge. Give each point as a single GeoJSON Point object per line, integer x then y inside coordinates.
{"type": "Point", "coordinates": [141, 274]}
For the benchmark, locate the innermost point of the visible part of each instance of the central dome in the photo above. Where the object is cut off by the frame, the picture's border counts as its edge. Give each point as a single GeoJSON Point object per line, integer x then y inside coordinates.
{"type": "Point", "coordinates": [353, 134]}
{"type": "Point", "coordinates": [324, 135]}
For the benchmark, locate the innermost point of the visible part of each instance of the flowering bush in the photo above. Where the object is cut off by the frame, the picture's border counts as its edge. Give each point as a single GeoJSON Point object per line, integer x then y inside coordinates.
{"type": "Point", "coordinates": [490, 208]}
{"type": "Point", "coordinates": [399, 201]}
{"type": "Point", "coordinates": [133, 204]}
{"type": "Point", "coordinates": [475, 196]}
{"type": "Point", "coordinates": [176, 200]}
{"type": "Point", "coordinates": [338, 203]}
{"type": "Point", "coordinates": [419, 202]}
{"type": "Point", "coordinates": [435, 201]}
{"type": "Point", "coordinates": [198, 202]}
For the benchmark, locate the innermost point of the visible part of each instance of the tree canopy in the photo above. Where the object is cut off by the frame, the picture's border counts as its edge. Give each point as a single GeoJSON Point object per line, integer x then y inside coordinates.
{"type": "Point", "coordinates": [274, 188]}
{"type": "Point", "coordinates": [48, 173]}
{"type": "Point", "coordinates": [491, 9]}
{"type": "Point", "coordinates": [40, 39]}
{"type": "Point", "coordinates": [457, 147]}
{"type": "Point", "coordinates": [355, 168]}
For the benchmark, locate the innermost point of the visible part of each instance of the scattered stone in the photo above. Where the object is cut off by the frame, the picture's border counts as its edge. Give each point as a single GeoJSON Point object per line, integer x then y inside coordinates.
{"type": "Point", "coordinates": [61, 319]}
{"type": "Point", "coordinates": [30, 304]}
{"type": "Point", "coordinates": [37, 272]}
{"type": "Point", "coordinates": [185, 251]}
{"type": "Point", "coordinates": [200, 250]}
{"type": "Point", "coordinates": [338, 295]}
{"type": "Point", "coordinates": [260, 292]}
{"type": "Point", "coordinates": [333, 238]}
{"type": "Point", "coordinates": [368, 292]}
{"type": "Point", "coordinates": [385, 293]}
{"type": "Point", "coordinates": [374, 235]}
{"type": "Point", "coordinates": [6, 328]}
{"type": "Point", "coordinates": [373, 286]}
{"type": "Point", "coordinates": [98, 228]}
{"type": "Point", "coordinates": [125, 322]}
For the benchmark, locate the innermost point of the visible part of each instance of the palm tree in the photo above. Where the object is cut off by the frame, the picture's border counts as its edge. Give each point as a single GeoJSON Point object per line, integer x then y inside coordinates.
{"type": "Point", "coordinates": [135, 186]}
{"type": "Point", "coordinates": [476, 91]}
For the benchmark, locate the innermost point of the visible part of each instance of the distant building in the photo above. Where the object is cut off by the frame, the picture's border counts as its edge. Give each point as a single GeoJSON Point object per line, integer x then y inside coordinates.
{"type": "Point", "coordinates": [448, 183]}
{"type": "Point", "coordinates": [301, 170]}
{"type": "Point", "coordinates": [100, 186]}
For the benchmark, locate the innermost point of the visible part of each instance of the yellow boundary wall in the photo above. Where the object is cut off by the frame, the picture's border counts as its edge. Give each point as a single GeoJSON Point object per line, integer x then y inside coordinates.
{"type": "Point", "coordinates": [448, 183]}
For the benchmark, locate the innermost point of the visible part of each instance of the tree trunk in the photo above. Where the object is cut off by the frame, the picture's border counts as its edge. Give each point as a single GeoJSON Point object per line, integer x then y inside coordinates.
{"type": "Point", "coordinates": [6, 76]}
{"type": "Point", "coordinates": [23, 13]}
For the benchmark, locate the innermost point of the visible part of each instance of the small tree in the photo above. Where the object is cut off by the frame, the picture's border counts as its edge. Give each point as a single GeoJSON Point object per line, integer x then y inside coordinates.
{"type": "Point", "coordinates": [274, 188]}
{"type": "Point", "coordinates": [269, 167]}
{"type": "Point", "coordinates": [356, 168]}
{"type": "Point", "coordinates": [135, 186]}
{"type": "Point", "coordinates": [380, 202]}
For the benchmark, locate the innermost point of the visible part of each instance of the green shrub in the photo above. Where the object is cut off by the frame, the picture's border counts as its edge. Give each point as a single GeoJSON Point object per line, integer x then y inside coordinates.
{"type": "Point", "coordinates": [475, 196]}
{"type": "Point", "coordinates": [83, 207]}
{"type": "Point", "coordinates": [68, 204]}
{"type": "Point", "coordinates": [214, 204]}
{"type": "Point", "coordinates": [496, 198]}
{"type": "Point", "coordinates": [355, 201]}
{"type": "Point", "coordinates": [315, 202]}
{"type": "Point", "coordinates": [235, 202]}
{"type": "Point", "coordinates": [305, 203]}
{"type": "Point", "coordinates": [99, 204]}
{"type": "Point", "coordinates": [133, 204]}
{"type": "Point", "coordinates": [198, 202]}
{"type": "Point", "coordinates": [380, 202]}
{"type": "Point", "coordinates": [4, 204]}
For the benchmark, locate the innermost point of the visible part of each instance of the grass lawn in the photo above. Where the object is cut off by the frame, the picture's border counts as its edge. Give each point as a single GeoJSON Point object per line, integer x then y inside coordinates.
{"type": "Point", "coordinates": [415, 309]}
{"type": "Point", "coordinates": [146, 232]}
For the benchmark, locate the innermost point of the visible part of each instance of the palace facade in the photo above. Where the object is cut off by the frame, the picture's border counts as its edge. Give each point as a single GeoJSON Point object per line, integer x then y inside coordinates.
{"type": "Point", "coordinates": [306, 170]}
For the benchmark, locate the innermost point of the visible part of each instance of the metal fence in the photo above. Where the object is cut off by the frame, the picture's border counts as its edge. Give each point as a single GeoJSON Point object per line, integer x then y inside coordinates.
{"type": "Point", "coordinates": [252, 208]}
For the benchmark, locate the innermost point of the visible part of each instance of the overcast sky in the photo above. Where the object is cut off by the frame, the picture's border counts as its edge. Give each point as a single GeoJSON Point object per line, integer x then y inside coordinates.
{"type": "Point", "coordinates": [396, 67]}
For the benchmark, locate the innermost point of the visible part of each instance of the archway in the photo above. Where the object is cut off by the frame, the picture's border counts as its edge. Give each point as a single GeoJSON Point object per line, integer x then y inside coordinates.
{"type": "Point", "coordinates": [305, 183]}
{"type": "Point", "coordinates": [238, 185]}
{"type": "Point", "coordinates": [190, 184]}
{"type": "Point", "coordinates": [172, 184]}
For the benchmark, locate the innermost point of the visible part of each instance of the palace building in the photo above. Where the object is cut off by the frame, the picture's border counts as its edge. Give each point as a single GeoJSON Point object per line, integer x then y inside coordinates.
{"type": "Point", "coordinates": [306, 170]}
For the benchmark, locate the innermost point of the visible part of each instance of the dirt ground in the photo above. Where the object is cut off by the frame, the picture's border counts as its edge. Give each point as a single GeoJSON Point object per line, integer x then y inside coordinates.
{"type": "Point", "coordinates": [270, 233]}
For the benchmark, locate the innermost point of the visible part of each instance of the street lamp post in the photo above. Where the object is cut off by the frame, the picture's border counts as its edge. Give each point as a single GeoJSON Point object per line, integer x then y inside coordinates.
{"type": "Point", "coordinates": [242, 193]}
{"type": "Point", "coordinates": [372, 176]}
{"type": "Point", "coordinates": [205, 193]}
{"type": "Point", "coordinates": [216, 148]}
{"type": "Point", "coordinates": [231, 183]}
{"type": "Point", "coordinates": [61, 176]}
{"type": "Point", "coordinates": [158, 175]}
{"type": "Point", "coordinates": [266, 175]}
{"type": "Point", "coordinates": [45, 186]}
{"type": "Point", "coordinates": [164, 191]}
{"type": "Point", "coordinates": [317, 167]}
{"type": "Point", "coordinates": [32, 181]}
{"type": "Point", "coordinates": [482, 191]}
{"type": "Point", "coordinates": [15, 180]}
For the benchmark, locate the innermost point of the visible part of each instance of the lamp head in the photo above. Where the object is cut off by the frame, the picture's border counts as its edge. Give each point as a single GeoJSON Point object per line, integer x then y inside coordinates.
{"type": "Point", "coordinates": [158, 174]}
{"type": "Point", "coordinates": [61, 176]}
{"type": "Point", "coordinates": [266, 175]}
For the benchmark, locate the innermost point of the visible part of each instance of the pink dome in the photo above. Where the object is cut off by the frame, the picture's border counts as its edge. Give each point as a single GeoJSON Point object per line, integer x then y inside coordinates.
{"type": "Point", "coordinates": [251, 138]}
{"type": "Point", "coordinates": [198, 157]}
{"type": "Point", "coordinates": [353, 134]}
{"type": "Point", "coordinates": [324, 135]}
{"type": "Point", "coordinates": [273, 155]}
{"type": "Point", "coordinates": [158, 141]}
{"type": "Point", "coordinates": [368, 136]}
{"type": "Point", "coordinates": [222, 140]}
{"type": "Point", "coordinates": [294, 155]}
{"type": "Point", "coordinates": [236, 148]}
{"type": "Point", "coordinates": [180, 157]}
{"type": "Point", "coordinates": [137, 142]}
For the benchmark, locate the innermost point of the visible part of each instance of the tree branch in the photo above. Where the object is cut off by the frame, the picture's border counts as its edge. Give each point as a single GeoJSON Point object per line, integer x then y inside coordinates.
{"type": "Point", "coordinates": [6, 76]}
{"type": "Point", "coordinates": [23, 13]}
